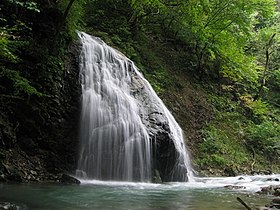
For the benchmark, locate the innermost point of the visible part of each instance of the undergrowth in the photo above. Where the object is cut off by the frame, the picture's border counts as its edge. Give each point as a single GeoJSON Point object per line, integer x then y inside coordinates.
{"type": "Point", "coordinates": [243, 137]}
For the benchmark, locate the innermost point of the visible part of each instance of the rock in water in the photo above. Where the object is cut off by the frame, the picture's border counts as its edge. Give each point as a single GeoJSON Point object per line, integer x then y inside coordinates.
{"type": "Point", "coordinates": [67, 179]}
{"type": "Point", "coordinates": [12, 206]}
{"type": "Point", "coordinates": [276, 200]}
{"type": "Point", "coordinates": [270, 190]}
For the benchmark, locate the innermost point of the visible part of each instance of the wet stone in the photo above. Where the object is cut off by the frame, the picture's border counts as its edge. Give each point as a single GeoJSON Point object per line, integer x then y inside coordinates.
{"type": "Point", "coordinates": [233, 187]}
{"type": "Point", "coordinates": [12, 206]}
{"type": "Point", "coordinates": [67, 179]}
{"type": "Point", "coordinates": [276, 200]}
{"type": "Point", "coordinates": [270, 190]}
{"type": "Point", "coordinates": [33, 172]}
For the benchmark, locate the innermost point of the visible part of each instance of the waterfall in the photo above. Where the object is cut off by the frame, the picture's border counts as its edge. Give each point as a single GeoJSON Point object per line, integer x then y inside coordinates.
{"type": "Point", "coordinates": [114, 141]}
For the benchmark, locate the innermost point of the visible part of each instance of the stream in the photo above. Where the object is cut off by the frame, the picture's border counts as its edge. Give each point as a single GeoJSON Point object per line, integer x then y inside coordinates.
{"type": "Point", "coordinates": [202, 194]}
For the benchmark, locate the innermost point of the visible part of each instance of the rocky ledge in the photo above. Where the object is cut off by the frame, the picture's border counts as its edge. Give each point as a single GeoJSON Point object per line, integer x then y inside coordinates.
{"type": "Point", "coordinates": [17, 166]}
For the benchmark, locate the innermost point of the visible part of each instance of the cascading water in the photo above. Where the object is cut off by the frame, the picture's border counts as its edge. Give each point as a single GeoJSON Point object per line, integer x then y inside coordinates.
{"type": "Point", "coordinates": [114, 141]}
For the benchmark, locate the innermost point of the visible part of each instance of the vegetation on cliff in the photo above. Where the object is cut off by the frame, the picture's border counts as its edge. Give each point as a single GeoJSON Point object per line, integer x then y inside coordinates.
{"type": "Point", "coordinates": [214, 63]}
{"type": "Point", "coordinates": [39, 91]}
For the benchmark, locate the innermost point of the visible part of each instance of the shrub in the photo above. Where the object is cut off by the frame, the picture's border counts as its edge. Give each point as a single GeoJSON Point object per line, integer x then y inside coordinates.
{"type": "Point", "coordinates": [264, 138]}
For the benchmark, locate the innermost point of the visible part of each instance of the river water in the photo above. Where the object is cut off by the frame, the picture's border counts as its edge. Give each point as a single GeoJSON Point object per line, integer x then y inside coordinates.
{"type": "Point", "coordinates": [204, 193]}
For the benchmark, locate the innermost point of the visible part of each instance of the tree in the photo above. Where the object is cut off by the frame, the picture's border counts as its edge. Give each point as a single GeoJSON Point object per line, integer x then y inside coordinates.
{"type": "Point", "coordinates": [212, 26]}
{"type": "Point", "coordinates": [266, 67]}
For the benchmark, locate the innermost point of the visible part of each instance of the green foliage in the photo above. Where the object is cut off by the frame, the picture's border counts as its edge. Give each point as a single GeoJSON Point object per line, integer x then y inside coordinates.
{"type": "Point", "coordinates": [275, 79]}
{"type": "Point", "coordinates": [26, 60]}
{"type": "Point", "coordinates": [10, 40]}
{"type": "Point", "coordinates": [264, 138]}
{"type": "Point", "coordinates": [152, 66]}
{"type": "Point", "coordinates": [20, 84]}
{"type": "Point", "coordinates": [29, 5]}
{"type": "Point", "coordinates": [264, 46]}
{"type": "Point", "coordinates": [75, 17]}
{"type": "Point", "coordinates": [259, 109]}
{"type": "Point", "coordinates": [217, 161]}
{"type": "Point", "coordinates": [239, 68]}
{"type": "Point", "coordinates": [6, 53]}
{"type": "Point", "coordinates": [112, 17]}
{"type": "Point", "coordinates": [218, 32]}
{"type": "Point", "coordinates": [273, 94]}
{"type": "Point", "coordinates": [220, 148]}
{"type": "Point", "coordinates": [221, 103]}
{"type": "Point", "coordinates": [236, 140]}
{"type": "Point", "coordinates": [159, 80]}
{"type": "Point", "coordinates": [222, 137]}
{"type": "Point", "coordinates": [144, 8]}
{"type": "Point", "coordinates": [10, 46]}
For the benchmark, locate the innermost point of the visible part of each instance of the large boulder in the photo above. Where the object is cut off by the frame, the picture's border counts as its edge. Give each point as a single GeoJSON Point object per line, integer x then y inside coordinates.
{"type": "Point", "coordinates": [166, 157]}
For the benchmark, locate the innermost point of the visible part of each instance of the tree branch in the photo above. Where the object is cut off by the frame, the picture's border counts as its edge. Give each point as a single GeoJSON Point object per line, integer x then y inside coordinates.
{"type": "Point", "coordinates": [264, 75]}
{"type": "Point", "coordinates": [243, 203]}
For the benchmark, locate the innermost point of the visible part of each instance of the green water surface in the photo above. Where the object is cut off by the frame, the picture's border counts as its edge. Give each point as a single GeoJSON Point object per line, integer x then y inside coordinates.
{"type": "Point", "coordinates": [127, 196]}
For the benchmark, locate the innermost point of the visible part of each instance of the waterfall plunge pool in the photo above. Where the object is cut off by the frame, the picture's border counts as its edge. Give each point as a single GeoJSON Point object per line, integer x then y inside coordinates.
{"type": "Point", "coordinates": [204, 193]}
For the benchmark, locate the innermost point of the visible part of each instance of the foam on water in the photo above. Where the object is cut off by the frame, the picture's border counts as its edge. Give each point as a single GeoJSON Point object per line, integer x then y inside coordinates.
{"type": "Point", "coordinates": [239, 183]}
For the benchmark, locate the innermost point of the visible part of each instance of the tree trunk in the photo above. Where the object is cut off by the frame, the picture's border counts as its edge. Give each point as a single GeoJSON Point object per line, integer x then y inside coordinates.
{"type": "Point", "coordinates": [263, 80]}
{"type": "Point", "coordinates": [61, 23]}
{"type": "Point", "coordinates": [66, 12]}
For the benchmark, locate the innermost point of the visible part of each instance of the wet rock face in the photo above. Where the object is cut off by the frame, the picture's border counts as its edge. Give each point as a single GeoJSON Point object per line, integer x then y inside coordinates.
{"type": "Point", "coordinates": [164, 152]}
{"type": "Point", "coordinates": [42, 138]}
{"type": "Point", "coordinates": [165, 155]}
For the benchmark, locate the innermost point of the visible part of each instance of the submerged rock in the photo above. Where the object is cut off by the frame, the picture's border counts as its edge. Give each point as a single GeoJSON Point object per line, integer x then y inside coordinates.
{"type": "Point", "coordinates": [274, 204]}
{"type": "Point", "coordinates": [276, 200]}
{"type": "Point", "coordinates": [12, 206]}
{"type": "Point", "coordinates": [67, 179]}
{"type": "Point", "coordinates": [234, 187]}
{"type": "Point", "coordinates": [272, 179]}
{"type": "Point", "coordinates": [156, 177]}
